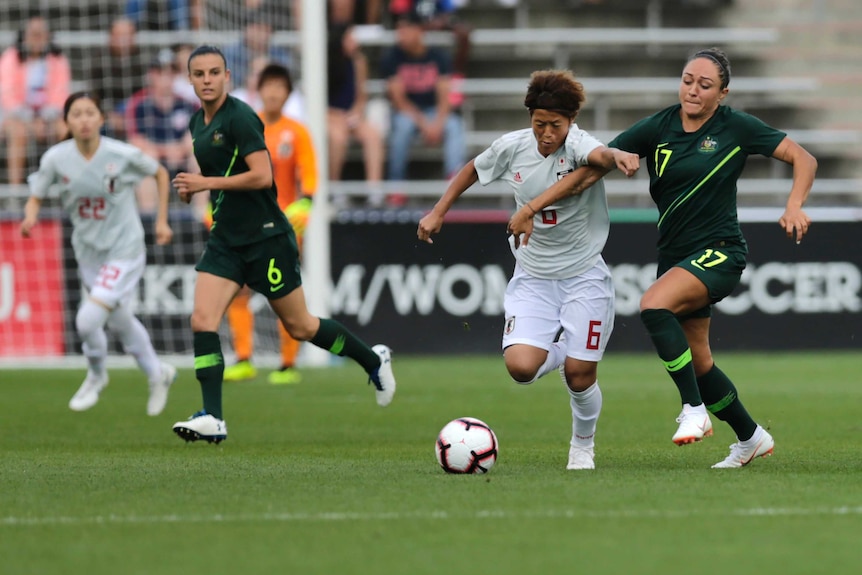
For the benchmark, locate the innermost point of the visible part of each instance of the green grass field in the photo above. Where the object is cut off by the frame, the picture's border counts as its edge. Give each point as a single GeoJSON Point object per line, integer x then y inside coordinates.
{"type": "Point", "coordinates": [315, 478]}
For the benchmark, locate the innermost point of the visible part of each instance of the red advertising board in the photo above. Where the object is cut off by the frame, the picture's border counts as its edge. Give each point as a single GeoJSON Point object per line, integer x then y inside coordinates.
{"type": "Point", "coordinates": [31, 291]}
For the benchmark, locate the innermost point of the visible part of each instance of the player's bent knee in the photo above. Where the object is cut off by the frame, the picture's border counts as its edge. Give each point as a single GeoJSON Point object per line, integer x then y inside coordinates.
{"type": "Point", "coordinates": [301, 330]}
{"type": "Point", "coordinates": [522, 375]}
{"type": "Point", "coordinates": [202, 321]}
{"type": "Point", "coordinates": [90, 318]}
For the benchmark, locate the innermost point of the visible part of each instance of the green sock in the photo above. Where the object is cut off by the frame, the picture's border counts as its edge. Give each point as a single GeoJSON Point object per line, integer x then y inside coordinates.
{"type": "Point", "coordinates": [209, 369]}
{"type": "Point", "coordinates": [719, 395]}
{"type": "Point", "coordinates": [672, 347]}
{"type": "Point", "coordinates": [337, 339]}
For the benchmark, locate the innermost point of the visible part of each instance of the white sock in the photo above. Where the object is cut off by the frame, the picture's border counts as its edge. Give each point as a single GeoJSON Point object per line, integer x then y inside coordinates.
{"type": "Point", "coordinates": [586, 406]}
{"type": "Point", "coordinates": [758, 432]}
{"type": "Point", "coordinates": [95, 349]}
{"type": "Point", "coordinates": [556, 357]}
{"type": "Point", "coordinates": [136, 341]}
{"type": "Point", "coordinates": [89, 323]}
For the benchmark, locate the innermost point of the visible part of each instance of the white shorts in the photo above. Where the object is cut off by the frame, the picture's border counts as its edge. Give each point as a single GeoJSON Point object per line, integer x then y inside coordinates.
{"type": "Point", "coordinates": [112, 282]}
{"type": "Point", "coordinates": [583, 306]}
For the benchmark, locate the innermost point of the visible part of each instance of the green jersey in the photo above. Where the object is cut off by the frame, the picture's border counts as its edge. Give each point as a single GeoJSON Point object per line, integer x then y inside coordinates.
{"type": "Point", "coordinates": [240, 217]}
{"type": "Point", "coordinates": [693, 175]}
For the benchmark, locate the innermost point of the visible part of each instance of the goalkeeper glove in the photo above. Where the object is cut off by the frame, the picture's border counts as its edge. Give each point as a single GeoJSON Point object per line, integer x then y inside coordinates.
{"type": "Point", "coordinates": [297, 214]}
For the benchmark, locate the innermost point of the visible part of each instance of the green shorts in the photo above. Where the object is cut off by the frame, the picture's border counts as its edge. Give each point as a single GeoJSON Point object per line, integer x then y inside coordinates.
{"type": "Point", "coordinates": [270, 266]}
{"type": "Point", "coordinates": [719, 267]}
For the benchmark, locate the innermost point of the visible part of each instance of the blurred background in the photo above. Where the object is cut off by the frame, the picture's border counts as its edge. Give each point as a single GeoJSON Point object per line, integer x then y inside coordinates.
{"type": "Point", "coordinates": [796, 64]}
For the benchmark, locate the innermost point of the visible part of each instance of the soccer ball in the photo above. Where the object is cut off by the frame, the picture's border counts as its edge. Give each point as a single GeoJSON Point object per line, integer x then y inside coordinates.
{"type": "Point", "coordinates": [466, 445]}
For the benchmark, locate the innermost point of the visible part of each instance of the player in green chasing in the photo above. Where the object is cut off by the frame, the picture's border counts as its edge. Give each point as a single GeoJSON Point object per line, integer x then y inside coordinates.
{"type": "Point", "coordinates": [250, 243]}
{"type": "Point", "coordinates": [695, 152]}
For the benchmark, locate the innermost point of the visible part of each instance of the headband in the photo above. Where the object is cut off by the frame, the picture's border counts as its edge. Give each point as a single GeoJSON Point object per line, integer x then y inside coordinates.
{"type": "Point", "coordinates": [553, 102]}
{"type": "Point", "coordinates": [723, 71]}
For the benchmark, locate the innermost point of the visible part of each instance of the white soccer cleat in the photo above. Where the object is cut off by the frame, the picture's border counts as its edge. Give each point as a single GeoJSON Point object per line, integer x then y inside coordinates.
{"type": "Point", "coordinates": [159, 390]}
{"type": "Point", "coordinates": [581, 458]}
{"type": "Point", "coordinates": [88, 394]}
{"type": "Point", "coordinates": [202, 425]}
{"type": "Point", "coordinates": [383, 378]}
{"type": "Point", "coordinates": [742, 453]}
{"type": "Point", "coordinates": [694, 425]}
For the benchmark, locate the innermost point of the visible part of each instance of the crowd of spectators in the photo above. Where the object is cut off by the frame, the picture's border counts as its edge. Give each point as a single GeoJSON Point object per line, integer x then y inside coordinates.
{"type": "Point", "coordinates": [147, 98]}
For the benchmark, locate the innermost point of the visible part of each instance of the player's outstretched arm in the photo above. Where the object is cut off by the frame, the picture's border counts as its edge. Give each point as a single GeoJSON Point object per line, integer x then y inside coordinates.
{"type": "Point", "coordinates": [610, 158]}
{"type": "Point", "coordinates": [31, 215]}
{"type": "Point", "coordinates": [164, 234]}
{"type": "Point", "coordinates": [521, 222]}
{"type": "Point", "coordinates": [433, 220]}
{"type": "Point", "coordinates": [804, 165]}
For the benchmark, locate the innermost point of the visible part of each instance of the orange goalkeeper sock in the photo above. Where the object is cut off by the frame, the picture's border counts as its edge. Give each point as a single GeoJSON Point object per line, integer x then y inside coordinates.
{"type": "Point", "coordinates": [241, 322]}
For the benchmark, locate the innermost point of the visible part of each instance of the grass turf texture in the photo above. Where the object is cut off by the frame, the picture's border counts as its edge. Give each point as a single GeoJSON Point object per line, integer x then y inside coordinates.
{"type": "Point", "coordinates": [315, 478]}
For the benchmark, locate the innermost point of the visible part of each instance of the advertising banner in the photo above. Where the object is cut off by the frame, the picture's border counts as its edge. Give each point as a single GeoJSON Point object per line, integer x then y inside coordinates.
{"type": "Point", "coordinates": [31, 291]}
{"type": "Point", "coordinates": [447, 297]}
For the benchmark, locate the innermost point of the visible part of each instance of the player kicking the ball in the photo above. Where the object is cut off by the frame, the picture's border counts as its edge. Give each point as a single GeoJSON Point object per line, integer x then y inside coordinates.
{"type": "Point", "coordinates": [560, 279]}
{"type": "Point", "coordinates": [97, 177]}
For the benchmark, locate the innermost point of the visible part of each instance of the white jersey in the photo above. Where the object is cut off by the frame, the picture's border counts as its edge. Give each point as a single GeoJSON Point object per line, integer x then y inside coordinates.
{"type": "Point", "coordinates": [568, 237]}
{"type": "Point", "coordinates": [99, 196]}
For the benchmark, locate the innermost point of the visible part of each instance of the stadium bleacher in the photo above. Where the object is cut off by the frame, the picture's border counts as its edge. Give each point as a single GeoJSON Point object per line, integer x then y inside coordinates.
{"type": "Point", "coordinates": [626, 52]}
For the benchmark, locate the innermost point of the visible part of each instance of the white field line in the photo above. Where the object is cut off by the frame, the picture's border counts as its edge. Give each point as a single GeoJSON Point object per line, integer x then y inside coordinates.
{"type": "Point", "coordinates": [65, 520]}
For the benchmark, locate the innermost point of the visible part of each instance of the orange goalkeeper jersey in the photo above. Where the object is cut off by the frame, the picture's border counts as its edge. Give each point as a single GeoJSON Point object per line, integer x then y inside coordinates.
{"type": "Point", "coordinates": [293, 159]}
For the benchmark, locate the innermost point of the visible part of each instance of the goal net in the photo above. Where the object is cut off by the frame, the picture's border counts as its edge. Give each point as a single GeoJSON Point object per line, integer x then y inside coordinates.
{"type": "Point", "coordinates": [125, 51]}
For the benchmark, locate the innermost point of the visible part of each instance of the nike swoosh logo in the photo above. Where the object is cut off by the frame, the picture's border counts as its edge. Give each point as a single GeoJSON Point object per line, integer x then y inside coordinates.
{"type": "Point", "coordinates": [338, 345]}
{"type": "Point", "coordinates": [276, 288]}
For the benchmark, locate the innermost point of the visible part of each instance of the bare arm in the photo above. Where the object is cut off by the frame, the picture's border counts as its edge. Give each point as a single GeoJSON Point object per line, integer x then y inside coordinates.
{"type": "Point", "coordinates": [360, 64]}
{"type": "Point", "coordinates": [164, 234]}
{"type": "Point", "coordinates": [444, 87]}
{"type": "Point", "coordinates": [804, 169]}
{"type": "Point", "coordinates": [31, 215]}
{"type": "Point", "coordinates": [610, 158]}
{"type": "Point", "coordinates": [601, 161]}
{"type": "Point", "coordinates": [433, 220]}
{"type": "Point", "coordinates": [258, 177]}
{"type": "Point", "coordinates": [521, 222]}
{"type": "Point", "coordinates": [402, 103]}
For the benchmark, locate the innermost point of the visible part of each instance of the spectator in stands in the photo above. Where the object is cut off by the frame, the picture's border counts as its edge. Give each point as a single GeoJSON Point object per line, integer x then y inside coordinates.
{"type": "Point", "coordinates": [256, 41]}
{"type": "Point", "coordinates": [696, 151]}
{"type": "Point", "coordinates": [228, 14]}
{"type": "Point", "coordinates": [418, 87]}
{"type": "Point", "coordinates": [347, 70]}
{"type": "Point", "coordinates": [35, 79]}
{"type": "Point", "coordinates": [440, 15]}
{"type": "Point", "coordinates": [182, 87]}
{"type": "Point", "coordinates": [343, 12]}
{"type": "Point", "coordinates": [117, 72]}
{"type": "Point", "coordinates": [295, 106]}
{"type": "Point", "coordinates": [157, 122]}
{"type": "Point", "coordinates": [165, 14]}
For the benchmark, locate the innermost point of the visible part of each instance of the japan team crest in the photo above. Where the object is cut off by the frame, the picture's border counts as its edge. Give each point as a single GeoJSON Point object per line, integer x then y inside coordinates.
{"type": "Point", "coordinates": [510, 325]}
